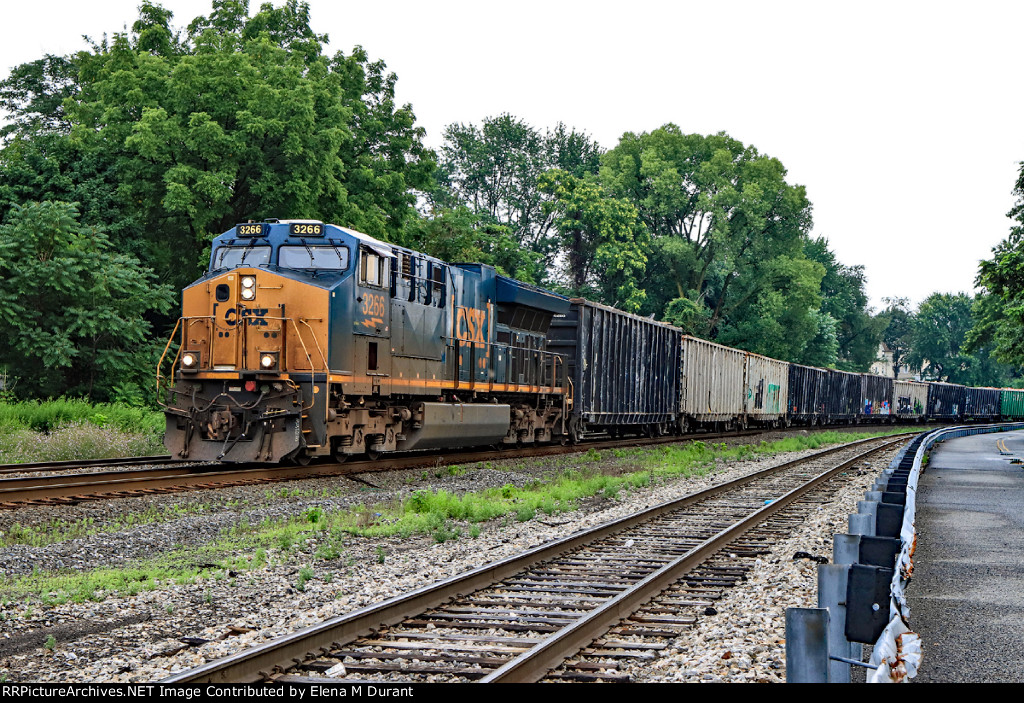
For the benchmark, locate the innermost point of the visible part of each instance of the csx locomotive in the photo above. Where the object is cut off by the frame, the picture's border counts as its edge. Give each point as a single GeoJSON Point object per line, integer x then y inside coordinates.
{"type": "Point", "coordinates": [305, 339]}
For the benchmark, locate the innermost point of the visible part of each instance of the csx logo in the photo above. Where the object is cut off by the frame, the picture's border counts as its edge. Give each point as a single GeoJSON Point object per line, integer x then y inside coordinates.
{"type": "Point", "coordinates": [471, 325]}
{"type": "Point", "coordinates": [253, 315]}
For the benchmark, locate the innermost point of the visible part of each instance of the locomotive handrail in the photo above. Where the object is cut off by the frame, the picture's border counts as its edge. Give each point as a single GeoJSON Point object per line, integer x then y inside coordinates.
{"type": "Point", "coordinates": [548, 359]}
{"type": "Point", "coordinates": [159, 364]}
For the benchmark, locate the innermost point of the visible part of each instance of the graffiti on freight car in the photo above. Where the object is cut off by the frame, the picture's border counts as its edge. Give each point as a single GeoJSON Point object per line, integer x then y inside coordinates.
{"type": "Point", "coordinates": [760, 400]}
{"type": "Point", "coordinates": [871, 408]}
{"type": "Point", "coordinates": [905, 405]}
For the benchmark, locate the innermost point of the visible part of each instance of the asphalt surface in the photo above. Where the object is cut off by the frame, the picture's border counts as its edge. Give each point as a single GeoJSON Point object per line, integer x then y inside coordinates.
{"type": "Point", "coordinates": [967, 594]}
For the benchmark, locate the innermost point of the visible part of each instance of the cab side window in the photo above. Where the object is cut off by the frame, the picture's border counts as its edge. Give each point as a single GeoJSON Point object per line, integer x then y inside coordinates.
{"type": "Point", "coordinates": [371, 269]}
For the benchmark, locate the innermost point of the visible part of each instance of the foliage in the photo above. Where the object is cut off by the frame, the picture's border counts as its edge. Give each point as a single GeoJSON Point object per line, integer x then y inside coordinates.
{"type": "Point", "coordinates": [1000, 321]}
{"type": "Point", "coordinates": [939, 336]}
{"type": "Point", "coordinates": [463, 236]}
{"type": "Point", "coordinates": [73, 310]}
{"type": "Point", "coordinates": [494, 170]}
{"type": "Point", "coordinates": [171, 138]}
{"type": "Point", "coordinates": [46, 416]}
{"type": "Point", "coordinates": [844, 299]}
{"type": "Point", "coordinates": [728, 233]}
{"type": "Point", "coordinates": [601, 237]}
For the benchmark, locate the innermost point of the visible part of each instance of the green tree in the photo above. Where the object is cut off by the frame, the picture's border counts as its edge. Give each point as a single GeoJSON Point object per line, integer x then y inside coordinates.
{"type": "Point", "coordinates": [169, 139]}
{"type": "Point", "coordinates": [72, 309]}
{"type": "Point", "coordinates": [494, 170]}
{"type": "Point", "coordinates": [844, 299]}
{"type": "Point", "coordinates": [727, 238]}
{"type": "Point", "coordinates": [898, 328]}
{"type": "Point", "coordinates": [939, 334]}
{"type": "Point", "coordinates": [460, 235]}
{"type": "Point", "coordinates": [1000, 319]}
{"type": "Point", "coordinates": [600, 238]}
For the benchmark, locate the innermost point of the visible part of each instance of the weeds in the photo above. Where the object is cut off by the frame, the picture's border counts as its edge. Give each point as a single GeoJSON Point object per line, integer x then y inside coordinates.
{"type": "Point", "coordinates": [305, 576]}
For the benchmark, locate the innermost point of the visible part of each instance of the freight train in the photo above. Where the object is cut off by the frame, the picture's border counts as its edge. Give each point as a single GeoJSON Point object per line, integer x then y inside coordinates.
{"type": "Point", "coordinates": [306, 339]}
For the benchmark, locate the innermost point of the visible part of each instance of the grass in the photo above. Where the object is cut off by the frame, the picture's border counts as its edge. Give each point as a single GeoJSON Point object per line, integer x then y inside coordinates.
{"type": "Point", "coordinates": [66, 429]}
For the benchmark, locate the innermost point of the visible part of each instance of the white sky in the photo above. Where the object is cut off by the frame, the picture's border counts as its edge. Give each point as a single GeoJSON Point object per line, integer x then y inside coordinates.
{"type": "Point", "coordinates": [903, 120]}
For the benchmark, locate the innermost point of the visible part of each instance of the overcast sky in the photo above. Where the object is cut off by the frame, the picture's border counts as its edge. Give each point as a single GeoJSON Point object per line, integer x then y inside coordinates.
{"type": "Point", "coordinates": [903, 120]}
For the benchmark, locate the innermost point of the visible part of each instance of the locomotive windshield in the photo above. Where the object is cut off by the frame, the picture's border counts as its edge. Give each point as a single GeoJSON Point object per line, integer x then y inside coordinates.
{"type": "Point", "coordinates": [232, 257]}
{"type": "Point", "coordinates": [334, 258]}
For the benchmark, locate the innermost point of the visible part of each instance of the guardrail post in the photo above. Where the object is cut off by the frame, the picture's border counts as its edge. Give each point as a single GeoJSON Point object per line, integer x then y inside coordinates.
{"type": "Point", "coordinates": [807, 645]}
{"type": "Point", "coordinates": [832, 595]}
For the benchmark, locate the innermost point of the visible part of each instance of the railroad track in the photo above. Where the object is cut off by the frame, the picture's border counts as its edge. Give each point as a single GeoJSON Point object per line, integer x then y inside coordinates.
{"type": "Point", "coordinates": [570, 609]}
{"type": "Point", "coordinates": [71, 488]}
{"type": "Point", "coordinates": [41, 466]}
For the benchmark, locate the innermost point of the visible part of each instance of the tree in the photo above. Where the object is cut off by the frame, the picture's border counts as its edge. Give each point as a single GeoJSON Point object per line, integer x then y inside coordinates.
{"type": "Point", "coordinates": [460, 235]}
{"type": "Point", "coordinates": [72, 309]}
{"type": "Point", "coordinates": [170, 139]}
{"type": "Point", "coordinates": [599, 237]}
{"type": "Point", "coordinates": [1001, 314]}
{"type": "Point", "coordinates": [939, 335]}
{"type": "Point", "coordinates": [494, 170]}
{"type": "Point", "coordinates": [727, 237]}
{"type": "Point", "coordinates": [843, 298]}
{"type": "Point", "coordinates": [897, 333]}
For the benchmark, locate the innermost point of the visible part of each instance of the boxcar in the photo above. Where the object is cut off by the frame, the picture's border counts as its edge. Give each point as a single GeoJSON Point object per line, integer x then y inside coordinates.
{"type": "Point", "coordinates": [624, 369]}
{"type": "Point", "coordinates": [910, 399]}
{"type": "Point", "coordinates": [1011, 403]}
{"type": "Point", "coordinates": [807, 391]}
{"type": "Point", "coordinates": [981, 404]}
{"type": "Point", "coordinates": [712, 384]}
{"type": "Point", "coordinates": [875, 398]}
{"type": "Point", "coordinates": [767, 390]}
{"type": "Point", "coordinates": [842, 401]}
{"type": "Point", "coordinates": [945, 401]}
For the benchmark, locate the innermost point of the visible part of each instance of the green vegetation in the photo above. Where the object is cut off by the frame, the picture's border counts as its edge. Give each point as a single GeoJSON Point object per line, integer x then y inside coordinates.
{"type": "Point", "coordinates": [66, 429]}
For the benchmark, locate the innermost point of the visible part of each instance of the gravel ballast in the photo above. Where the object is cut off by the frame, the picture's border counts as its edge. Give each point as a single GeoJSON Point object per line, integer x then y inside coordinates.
{"type": "Point", "coordinates": [140, 638]}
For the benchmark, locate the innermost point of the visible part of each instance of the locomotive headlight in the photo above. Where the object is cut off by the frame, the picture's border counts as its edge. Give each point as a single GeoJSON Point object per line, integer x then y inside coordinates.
{"type": "Point", "coordinates": [248, 281]}
{"type": "Point", "coordinates": [268, 361]}
{"type": "Point", "coordinates": [190, 361]}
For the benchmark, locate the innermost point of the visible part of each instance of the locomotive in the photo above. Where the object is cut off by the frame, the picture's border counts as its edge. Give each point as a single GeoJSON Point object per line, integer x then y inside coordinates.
{"type": "Point", "coordinates": [305, 339]}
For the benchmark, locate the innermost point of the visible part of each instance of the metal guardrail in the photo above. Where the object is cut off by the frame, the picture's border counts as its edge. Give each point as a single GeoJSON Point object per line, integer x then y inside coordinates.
{"type": "Point", "coordinates": [872, 565]}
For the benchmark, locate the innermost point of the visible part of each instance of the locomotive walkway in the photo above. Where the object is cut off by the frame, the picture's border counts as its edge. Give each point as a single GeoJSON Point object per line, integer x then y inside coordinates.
{"type": "Point", "coordinates": [967, 597]}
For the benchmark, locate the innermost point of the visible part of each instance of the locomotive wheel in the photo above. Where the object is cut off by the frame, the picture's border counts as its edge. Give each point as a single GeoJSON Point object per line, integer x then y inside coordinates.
{"type": "Point", "coordinates": [372, 455]}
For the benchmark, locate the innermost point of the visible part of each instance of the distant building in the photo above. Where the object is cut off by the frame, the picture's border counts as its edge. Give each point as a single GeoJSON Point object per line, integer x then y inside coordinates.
{"type": "Point", "coordinates": [883, 363]}
{"type": "Point", "coordinates": [883, 366]}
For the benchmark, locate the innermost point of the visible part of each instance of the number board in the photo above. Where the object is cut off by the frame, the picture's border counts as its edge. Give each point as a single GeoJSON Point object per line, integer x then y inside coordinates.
{"type": "Point", "coordinates": [306, 229]}
{"type": "Point", "coordinates": [251, 229]}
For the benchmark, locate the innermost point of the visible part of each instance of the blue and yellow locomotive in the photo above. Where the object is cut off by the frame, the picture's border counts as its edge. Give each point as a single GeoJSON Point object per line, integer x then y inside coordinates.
{"type": "Point", "coordinates": [305, 339]}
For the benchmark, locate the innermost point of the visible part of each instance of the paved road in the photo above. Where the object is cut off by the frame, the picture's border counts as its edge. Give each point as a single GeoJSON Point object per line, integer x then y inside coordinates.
{"type": "Point", "coordinates": [967, 594]}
